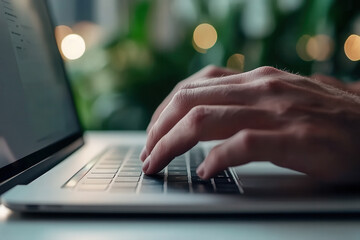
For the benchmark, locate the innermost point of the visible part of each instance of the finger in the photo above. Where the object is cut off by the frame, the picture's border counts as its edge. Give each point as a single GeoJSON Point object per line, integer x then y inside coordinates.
{"type": "Point", "coordinates": [201, 76]}
{"type": "Point", "coordinates": [257, 93]}
{"type": "Point", "coordinates": [185, 100]}
{"type": "Point", "coordinates": [246, 146]}
{"type": "Point", "coordinates": [239, 78]}
{"type": "Point", "coordinates": [205, 123]}
{"type": "Point", "coordinates": [219, 76]}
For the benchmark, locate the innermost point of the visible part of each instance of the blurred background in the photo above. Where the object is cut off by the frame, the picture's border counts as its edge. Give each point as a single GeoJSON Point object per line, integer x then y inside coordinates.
{"type": "Point", "coordinates": [124, 56]}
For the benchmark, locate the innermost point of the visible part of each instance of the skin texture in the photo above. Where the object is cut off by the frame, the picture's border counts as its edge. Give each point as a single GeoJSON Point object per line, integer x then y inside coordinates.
{"type": "Point", "coordinates": [311, 125]}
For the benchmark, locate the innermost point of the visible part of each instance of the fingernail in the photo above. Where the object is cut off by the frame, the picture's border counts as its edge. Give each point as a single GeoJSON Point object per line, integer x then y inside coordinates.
{"type": "Point", "coordinates": [200, 171]}
{"type": "Point", "coordinates": [146, 164]}
{"type": "Point", "coordinates": [143, 154]}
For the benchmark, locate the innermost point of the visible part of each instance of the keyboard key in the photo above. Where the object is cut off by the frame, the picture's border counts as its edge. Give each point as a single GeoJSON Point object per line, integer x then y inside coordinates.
{"type": "Point", "coordinates": [93, 187]}
{"type": "Point", "coordinates": [153, 181]}
{"type": "Point", "coordinates": [154, 176]}
{"type": "Point", "coordinates": [123, 190]}
{"type": "Point", "coordinates": [127, 179]}
{"type": "Point", "coordinates": [181, 163]}
{"type": "Point", "coordinates": [224, 180]}
{"type": "Point", "coordinates": [197, 179]}
{"type": "Point", "coordinates": [227, 188]}
{"type": "Point", "coordinates": [180, 159]}
{"type": "Point", "coordinates": [131, 169]}
{"type": "Point", "coordinates": [124, 185]}
{"type": "Point", "coordinates": [134, 158]}
{"type": "Point", "coordinates": [96, 181]}
{"type": "Point", "coordinates": [202, 188]}
{"type": "Point", "coordinates": [178, 163]}
{"type": "Point", "coordinates": [133, 164]}
{"type": "Point", "coordinates": [177, 179]}
{"type": "Point", "coordinates": [177, 187]}
{"type": "Point", "coordinates": [176, 168]}
{"type": "Point", "coordinates": [177, 173]}
{"type": "Point", "coordinates": [116, 154]}
{"type": "Point", "coordinates": [100, 176]}
{"type": "Point", "coordinates": [129, 174]}
{"type": "Point", "coordinates": [112, 159]}
{"type": "Point", "coordinates": [102, 170]}
{"type": "Point", "coordinates": [110, 162]}
{"type": "Point", "coordinates": [221, 175]}
{"type": "Point", "coordinates": [115, 166]}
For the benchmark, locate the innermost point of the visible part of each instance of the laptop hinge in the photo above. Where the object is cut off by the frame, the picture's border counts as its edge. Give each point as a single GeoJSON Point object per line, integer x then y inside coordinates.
{"type": "Point", "coordinates": [41, 167]}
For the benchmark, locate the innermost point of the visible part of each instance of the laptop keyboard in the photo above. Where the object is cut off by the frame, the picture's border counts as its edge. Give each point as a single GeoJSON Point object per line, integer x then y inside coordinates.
{"type": "Point", "coordinates": [118, 169]}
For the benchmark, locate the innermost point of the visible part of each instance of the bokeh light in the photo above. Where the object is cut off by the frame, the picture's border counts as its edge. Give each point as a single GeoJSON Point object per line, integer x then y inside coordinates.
{"type": "Point", "coordinates": [236, 62]}
{"type": "Point", "coordinates": [301, 47]}
{"type": "Point", "coordinates": [61, 32]}
{"type": "Point", "coordinates": [352, 47]}
{"type": "Point", "coordinates": [204, 37]}
{"type": "Point", "coordinates": [73, 46]}
{"type": "Point", "coordinates": [319, 47]}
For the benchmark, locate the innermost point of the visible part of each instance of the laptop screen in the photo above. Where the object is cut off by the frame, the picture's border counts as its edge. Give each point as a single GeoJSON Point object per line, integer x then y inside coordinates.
{"type": "Point", "coordinates": [36, 106]}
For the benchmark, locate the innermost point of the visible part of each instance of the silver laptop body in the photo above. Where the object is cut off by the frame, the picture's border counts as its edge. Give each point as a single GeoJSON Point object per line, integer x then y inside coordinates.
{"type": "Point", "coordinates": [47, 164]}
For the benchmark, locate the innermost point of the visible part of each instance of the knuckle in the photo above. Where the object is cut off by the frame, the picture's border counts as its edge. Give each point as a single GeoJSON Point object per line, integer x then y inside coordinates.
{"type": "Point", "coordinates": [185, 86]}
{"type": "Point", "coordinates": [197, 116]}
{"type": "Point", "coordinates": [267, 70]}
{"type": "Point", "coordinates": [229, 92]}
{"type": "Point", "coordinates": [247, 140]}
{"type": "Point", "coordinates": [181, 97]}
{"type": "Point", "coordinates": [211, 71]}
{"type": "Point", "coordinates": [180, 84]}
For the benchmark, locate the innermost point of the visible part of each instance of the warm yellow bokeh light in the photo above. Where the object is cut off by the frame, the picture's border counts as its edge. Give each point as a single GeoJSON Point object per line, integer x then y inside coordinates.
{"type": "Point", "coordinates": [319, 47]}
{"type": "Point", "coordinates": [61, 31]}
{"type": "Point", "coordinates": [301, 47]}
{"type": "Point", "coordinates": [73, 46]}
{"type": "Point", "coordinates": [352, 47]}
{"type": "Point", "coordinates": [204, 37]}
{"type": "Point", "coordinates": [236, 62]}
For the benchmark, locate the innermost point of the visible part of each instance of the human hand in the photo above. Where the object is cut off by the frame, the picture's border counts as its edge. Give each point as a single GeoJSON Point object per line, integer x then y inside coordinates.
{"type": "Point", "coordinates": [205, 74]}
{"type": "Point", "coordinates": [264, 115]}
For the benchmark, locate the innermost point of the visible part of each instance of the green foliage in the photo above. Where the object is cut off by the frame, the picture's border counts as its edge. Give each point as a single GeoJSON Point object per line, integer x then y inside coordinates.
{"type": "Point", "coordinates": [133, 72]}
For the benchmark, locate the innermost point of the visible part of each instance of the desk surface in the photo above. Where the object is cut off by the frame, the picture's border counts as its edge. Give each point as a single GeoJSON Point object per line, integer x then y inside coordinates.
{"type": "Point", "coordinates": [15, 226]}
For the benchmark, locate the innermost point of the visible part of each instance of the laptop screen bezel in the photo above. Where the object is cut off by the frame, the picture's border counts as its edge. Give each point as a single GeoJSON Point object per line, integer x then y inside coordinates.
{"type": "Point", "coordinates": [9, 171]}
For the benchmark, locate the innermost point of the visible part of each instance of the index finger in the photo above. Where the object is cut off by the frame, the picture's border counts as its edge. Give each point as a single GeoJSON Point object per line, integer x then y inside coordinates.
{"type": "Point", "coordinates": [205, 123]}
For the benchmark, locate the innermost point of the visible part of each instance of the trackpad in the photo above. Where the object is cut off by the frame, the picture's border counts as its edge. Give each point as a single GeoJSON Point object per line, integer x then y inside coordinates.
{"type": "Point", "coordinates": [263, 179]}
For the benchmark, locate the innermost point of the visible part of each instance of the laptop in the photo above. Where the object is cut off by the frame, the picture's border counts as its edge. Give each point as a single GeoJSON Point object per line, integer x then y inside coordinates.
{"type": "Point", "coordinates": [48, 164]}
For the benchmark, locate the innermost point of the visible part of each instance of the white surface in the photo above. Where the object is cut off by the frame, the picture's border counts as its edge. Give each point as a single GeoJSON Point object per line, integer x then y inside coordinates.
{"type": "Point", "coordinates": [14, 226]}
